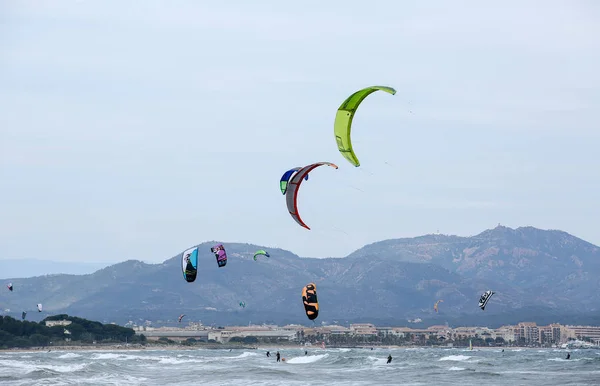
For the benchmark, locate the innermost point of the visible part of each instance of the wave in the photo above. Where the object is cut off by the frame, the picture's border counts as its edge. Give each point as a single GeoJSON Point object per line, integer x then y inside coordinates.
{"type": "Point", "coordinates": [175, 361]}
{"type": "Point", "coordinates": [105, 356]}
{"type": "Point", "coordinates": [453, 368]}
{"type": "Point", "coordinates": [563, 359]}
{"type": "Point", "coordinates": [306, 359]}
{"type": "Point", "coordinates": [64, 368]}
{"type": "Point", "coordinates": [377, 360]}
{"type": "Point", "coordinates": [28, 367]}
{"type": "Point", "coordinates": [246, 354]}
{"type": "Point", "coordinates": [457, 358]}
{"type": "Point", "coordinates": [126, 357]}
{"type": "Point", "coordinates": [69, 355]}
{"type": "Point", "coordinates": [113, 379]}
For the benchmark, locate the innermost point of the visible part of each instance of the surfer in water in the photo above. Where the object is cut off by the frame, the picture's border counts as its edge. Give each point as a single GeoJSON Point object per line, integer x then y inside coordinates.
{"type": "Point", "coordinates": [568, 355]}
{"type": "Point", "coordinates": [278, 356]}
{"type": "Point", "coordinates": [305, 352]}
{"type": "Point", "coordinates": [268, 354]}
{"type": "Point", "coordinates": [389, 358]}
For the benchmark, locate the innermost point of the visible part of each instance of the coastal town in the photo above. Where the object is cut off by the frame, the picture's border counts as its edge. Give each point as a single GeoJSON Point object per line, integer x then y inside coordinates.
{"type": "Point", "coordinates": [366, 334]}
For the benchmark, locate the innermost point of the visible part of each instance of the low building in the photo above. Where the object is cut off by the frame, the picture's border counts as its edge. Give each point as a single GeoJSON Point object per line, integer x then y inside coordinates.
{"type": "Point", "coordinates": [464, 332]}
{"type": "Point", "coordinates": [52, 323]}
{"type": "Point", "coordinates": [336, 330]}
{"type": "Point", "coordinates": [173, 334]}
{"type": "Point", "coordinates": [224, 336]}
{"type": "Point", "coordinates": [363, 329]}
{"type": "Point", "coordinates": [221, 336]}
{"type": "Point", "coordinates": [385, 331]}
{"type": "Point", "coordinates": [584, 332]}
{"type": "Point", "coordinates": [507, 333]}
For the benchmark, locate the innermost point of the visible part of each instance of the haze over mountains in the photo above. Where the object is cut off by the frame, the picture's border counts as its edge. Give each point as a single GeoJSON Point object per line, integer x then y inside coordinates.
{"type": "Point", "coordinates": [538, 275]}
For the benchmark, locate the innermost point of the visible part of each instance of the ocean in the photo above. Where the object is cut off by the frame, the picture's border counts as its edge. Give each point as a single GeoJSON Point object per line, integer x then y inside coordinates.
{"type": "Point", "coordinates": [410, 366]}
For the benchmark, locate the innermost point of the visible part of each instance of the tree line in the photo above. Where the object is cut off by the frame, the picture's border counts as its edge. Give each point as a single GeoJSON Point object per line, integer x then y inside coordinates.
{"type": "Point", "coordinates": [16, 333]}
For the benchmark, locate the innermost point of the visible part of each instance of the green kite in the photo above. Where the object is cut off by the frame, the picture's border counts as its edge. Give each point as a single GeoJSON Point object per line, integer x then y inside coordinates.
{"type": "Point", "coordinates": [261, 252]}
{"type": "Point", "coordinates": [343, 120]}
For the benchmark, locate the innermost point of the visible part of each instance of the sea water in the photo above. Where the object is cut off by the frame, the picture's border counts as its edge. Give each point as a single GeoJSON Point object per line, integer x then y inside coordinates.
{"type": "Point", "coordinates": [410, 366]}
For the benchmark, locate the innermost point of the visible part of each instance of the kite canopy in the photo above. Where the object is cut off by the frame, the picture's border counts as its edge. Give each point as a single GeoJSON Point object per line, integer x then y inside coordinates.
{"type": "Point", "coordinates": [435, 306]}
{"type": "Point", "coordinates": [243, 304]}
{"type": "Point", "coordinates": [10, 286]}
{"type": "Point", "coordinates": [220, 254]}
{"type": "Point", "coordinates": [23, 315]}
{"type": "Point", "coordinates": [343, 120]}
{"type": "Point", "coordinates": [189, 264]}
{"type": "Point", "coordinates": [261, 252]}
{"type": "Point", "coordinates": [180, 317]}
{"type": "Point", "coordinates": [39, 307]}
{"type": "Point", "coordinates": [309, 299]}
{"type": "Point", "coordinates": [291, 195]}
{"type": "Point", "coordinates": [485, 298]}
{"type": "Point", "coordinates": [283, 183]}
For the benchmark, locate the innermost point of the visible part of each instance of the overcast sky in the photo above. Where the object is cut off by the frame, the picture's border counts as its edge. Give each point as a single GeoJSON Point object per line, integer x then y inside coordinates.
{"type": "Point", "coordinates": [134, 129]}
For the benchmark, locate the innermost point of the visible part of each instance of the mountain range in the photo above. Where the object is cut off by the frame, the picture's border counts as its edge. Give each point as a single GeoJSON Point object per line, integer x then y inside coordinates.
{"type": "Point", "coordinates": [35, 267]}
{"type": "Point", "coordinates": [538, 275]}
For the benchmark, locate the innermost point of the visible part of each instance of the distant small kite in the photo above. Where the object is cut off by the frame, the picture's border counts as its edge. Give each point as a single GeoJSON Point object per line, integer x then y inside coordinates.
{"type": "Point", "coordinates": [485, 298]}
{"type": "Point", "coordinates": [261, 252]}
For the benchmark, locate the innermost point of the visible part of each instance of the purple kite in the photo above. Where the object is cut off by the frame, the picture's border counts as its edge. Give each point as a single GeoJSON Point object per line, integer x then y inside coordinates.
{"type": "Point", "coordinates": [220, 254]}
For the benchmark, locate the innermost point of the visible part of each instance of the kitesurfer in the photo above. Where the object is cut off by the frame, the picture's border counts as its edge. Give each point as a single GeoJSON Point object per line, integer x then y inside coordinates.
{"type": "Point", "coordinates": [268, 354]}
{"type": "Point", "coordinates": [278, 356]}
{"type": "Point", "coordinates": [568, 355]}
{"type": "Point", "coordinates": [389, 358]}
{"type": "Point", "coordinates": [305, 352]}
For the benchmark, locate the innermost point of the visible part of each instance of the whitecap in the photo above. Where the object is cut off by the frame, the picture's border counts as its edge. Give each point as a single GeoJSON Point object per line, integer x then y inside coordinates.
{"type": "Point", "coordinates": [306, 359]}
{"type": "Point", "coordinates": [458, 358]}
{"type": "Point", "coordinates": [69, 355]}
{"type": "Point", "coordinates": [30, 367]}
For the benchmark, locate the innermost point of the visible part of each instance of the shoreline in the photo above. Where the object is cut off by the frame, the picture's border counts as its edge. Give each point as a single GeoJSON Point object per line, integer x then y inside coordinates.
{"type": "Point", "coordinates": [269, 347]}
{"type": "Point", "coordinates": [121, 347]}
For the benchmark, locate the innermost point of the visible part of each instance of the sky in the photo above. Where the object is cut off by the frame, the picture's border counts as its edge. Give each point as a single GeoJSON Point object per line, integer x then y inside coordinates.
{"type": "Point", "coordinates": [135, 129]}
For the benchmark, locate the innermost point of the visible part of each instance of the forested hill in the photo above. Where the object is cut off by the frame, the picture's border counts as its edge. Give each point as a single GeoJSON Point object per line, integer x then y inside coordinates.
{"type": "Point", "coordinates": [17, 333]}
